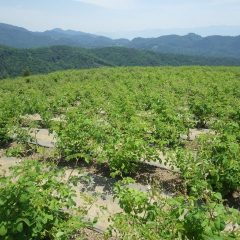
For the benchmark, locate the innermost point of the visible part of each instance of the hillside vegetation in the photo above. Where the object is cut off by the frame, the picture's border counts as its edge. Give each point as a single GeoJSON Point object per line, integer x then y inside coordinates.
{"type": "Point", "coordinates": [119, 118]}
{"type": "Point", "coordinates": [15, 62]}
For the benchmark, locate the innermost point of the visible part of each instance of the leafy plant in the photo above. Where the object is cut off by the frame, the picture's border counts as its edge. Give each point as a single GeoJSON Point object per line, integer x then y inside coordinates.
{"type": "Point", "coordinates": [154, 216]}
{"type": "Point", "coordinates": [36, 203]}
{"type": "Point", "coordinates": [214, 166]}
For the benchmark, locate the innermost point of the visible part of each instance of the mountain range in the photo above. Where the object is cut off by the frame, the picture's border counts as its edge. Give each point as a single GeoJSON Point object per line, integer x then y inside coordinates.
{"type": "Point", "coordinates": [221, 30]}
{"type": "Point", "coordinates": [190, 44]}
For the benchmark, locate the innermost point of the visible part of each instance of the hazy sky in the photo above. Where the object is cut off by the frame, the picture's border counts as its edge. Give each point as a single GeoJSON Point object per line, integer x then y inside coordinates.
{"type": "Point", "coordinates": [119, 15]}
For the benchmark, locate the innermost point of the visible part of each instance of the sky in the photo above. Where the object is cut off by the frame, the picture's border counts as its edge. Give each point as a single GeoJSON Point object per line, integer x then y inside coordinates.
{"type": "Point", "coordinates": [119, 16]}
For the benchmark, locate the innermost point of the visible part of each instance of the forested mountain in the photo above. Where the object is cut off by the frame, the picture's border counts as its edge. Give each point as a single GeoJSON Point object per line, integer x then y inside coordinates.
{"type": "Point", "coordinates": [21, 38]}
{"type": "Point", "coordinates": [14, 62]}
{"type": "Point", "coordinates": [191, 44]}
{"type": "Point", "coordinates": [120, 56]}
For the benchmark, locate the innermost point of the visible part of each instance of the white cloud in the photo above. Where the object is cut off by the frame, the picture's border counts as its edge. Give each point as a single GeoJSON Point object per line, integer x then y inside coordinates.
{"type": "Point", "coordinates": [111, 4]}
{"type": "Point", "coordinates": [153, 4]}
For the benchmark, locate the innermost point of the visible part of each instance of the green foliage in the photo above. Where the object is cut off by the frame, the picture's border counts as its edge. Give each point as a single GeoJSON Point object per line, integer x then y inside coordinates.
{"type": "Point", "coordinates": [124, 153]}
{"type": "Point", "coordinates": [202, 110]}
{"type": "Point", "coordinates": [75, 143]}
{"type": "Point", "coordinates": [215, 166]}
{"type": "Point", "coordinates": [153, 216]}
{"type": "Point", "coordinates": [23, 62]}
{"type": "Point", "coordinates": [121, 117]}
{"type": "Point", "coordinates": [37, 204]}
{"type": "Point", "coordinates": [16, 151]}
{"type": "Point", "coordinates": [26, 73]}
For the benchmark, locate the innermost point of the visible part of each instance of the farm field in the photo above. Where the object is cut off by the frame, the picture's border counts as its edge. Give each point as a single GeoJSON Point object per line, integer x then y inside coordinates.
{"type": "Point", "coordinates": [161, 145]}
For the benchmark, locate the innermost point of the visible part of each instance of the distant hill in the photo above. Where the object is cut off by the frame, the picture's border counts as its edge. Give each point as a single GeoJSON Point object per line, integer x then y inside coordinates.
{"type": "Point", "coordinates": [17, 37]}
{"type": "Point", "coordinates": [190, 44]}
{"type": "Point", "coordinates": [15, 62]}
{"type": "Point", "coordinates": [21, 38]}
{"type": "Point", "coordinates": [222, 30]}
{"type": "Point", "coordinates": [120, 56]}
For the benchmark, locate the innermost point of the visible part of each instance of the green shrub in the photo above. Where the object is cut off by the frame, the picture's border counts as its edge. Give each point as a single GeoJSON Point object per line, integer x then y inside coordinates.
{"type": "Point", "coordinates": [152, 216]}
{"type": "Point", "coordinates": [36, 204]}
{"type": "Point", "coordinates": [214, 166]}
